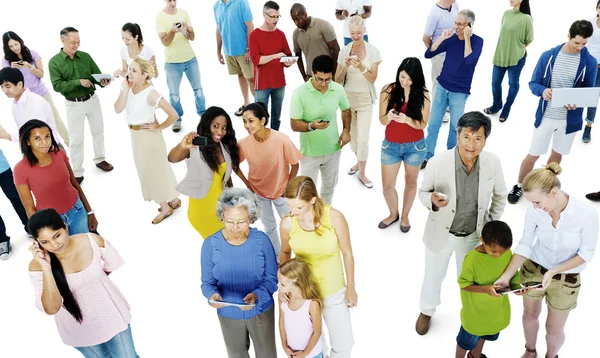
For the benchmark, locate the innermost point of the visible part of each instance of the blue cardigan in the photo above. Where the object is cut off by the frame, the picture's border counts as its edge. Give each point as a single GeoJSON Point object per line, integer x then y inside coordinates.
{"type": "Point", "coordinates": [542, 79]}
{"type": "Point", "coordinates": [235, 271]}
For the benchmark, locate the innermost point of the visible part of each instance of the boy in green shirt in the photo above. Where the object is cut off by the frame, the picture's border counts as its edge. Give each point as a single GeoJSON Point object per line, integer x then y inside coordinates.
{"type": "Point", "coordinates": [485, 311]}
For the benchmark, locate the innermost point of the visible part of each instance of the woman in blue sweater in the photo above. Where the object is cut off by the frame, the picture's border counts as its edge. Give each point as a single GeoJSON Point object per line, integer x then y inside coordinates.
{"type": "Point", "coordinates": [239, 267]}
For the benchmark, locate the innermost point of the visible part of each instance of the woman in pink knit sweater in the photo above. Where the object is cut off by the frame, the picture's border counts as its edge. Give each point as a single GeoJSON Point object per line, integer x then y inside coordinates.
{"type": "Point", "coordinates": [70, 278]}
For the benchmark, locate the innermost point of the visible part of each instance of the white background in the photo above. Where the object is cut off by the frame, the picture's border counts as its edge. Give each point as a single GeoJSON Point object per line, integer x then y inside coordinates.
{"type": "Point", "coordinates": [161, 279]}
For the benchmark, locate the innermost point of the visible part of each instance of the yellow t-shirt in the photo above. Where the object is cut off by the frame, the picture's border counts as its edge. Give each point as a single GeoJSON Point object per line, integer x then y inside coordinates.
{"type": "Point", "coordinates": [179, 50]}
{"type": "Point", "coordinates": [322, 253]}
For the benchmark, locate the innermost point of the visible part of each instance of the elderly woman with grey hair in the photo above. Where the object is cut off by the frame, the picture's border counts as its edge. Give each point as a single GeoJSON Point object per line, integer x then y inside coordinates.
{"type": "Point", "coordinates": [239, 276]}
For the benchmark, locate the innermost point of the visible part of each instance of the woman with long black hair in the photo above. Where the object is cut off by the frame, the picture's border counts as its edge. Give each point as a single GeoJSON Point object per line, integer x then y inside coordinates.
{"type": "Point", "coordinates": [516, 33]}
{"type": "Point", "coordinates": [404, 111]}
{"type": "Point", "coordinates": [209, 167]}
{"type": "Point", "coordinates": [69, 274]}
{"type": "Point", "coordinates": [29, 62]}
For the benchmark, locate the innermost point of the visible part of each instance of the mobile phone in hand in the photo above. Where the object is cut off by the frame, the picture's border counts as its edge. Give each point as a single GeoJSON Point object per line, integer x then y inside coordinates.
{"type": "Point", "coordinates": [200, 141]}
{"type": "Point", "coordinates": [469, 24]}
{"type": "Point", "coordinates": [178, 24]}
{"type": "Point", "coordinates": [325, 120]}
{"type": "Point", "coordinates": [20, 62]}
{"type": "Point", "coordinates": [442, 195]}
{"type": "Point", "coordinates": [395, 112]}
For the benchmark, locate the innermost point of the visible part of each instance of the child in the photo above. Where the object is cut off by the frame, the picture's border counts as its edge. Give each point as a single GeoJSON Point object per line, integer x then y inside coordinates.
{"type": "Point", "coordinates": [300, 318]}
{"type": "Point", "coordinates": [485, 312]}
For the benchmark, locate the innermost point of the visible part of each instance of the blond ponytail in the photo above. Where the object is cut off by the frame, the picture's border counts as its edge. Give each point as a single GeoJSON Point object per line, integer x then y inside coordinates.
{"type": "Point", "coordinates": [545, 179]}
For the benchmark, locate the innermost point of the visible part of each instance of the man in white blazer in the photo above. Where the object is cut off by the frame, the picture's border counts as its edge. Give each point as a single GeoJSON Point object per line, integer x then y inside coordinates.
{"type": "Point", "coordinates": [463, 189]}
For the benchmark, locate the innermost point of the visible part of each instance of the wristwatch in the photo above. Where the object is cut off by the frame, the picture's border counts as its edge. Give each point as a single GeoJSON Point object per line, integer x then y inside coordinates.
{"type": "Point", "coordinates": [310, 128]}
{"type": "Point", "coordinates": [91, 212]}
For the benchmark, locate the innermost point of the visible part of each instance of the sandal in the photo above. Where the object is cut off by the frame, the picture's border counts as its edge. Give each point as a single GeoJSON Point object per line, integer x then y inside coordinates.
{"type": "Point", "coordinates": [488, 111]}
{"type": "Point", "coordinates": [176, 206]}
{"type": "Point", "coordinates": [160, 217]}
{"type": "Point", "coordinates": [240, 111]}
{"type": "Point", "coordinates": [469, 355]}
{"type": "Point", "coordinates": [527, 350]}
{"type": "Point", "coordinates": [502, 120]}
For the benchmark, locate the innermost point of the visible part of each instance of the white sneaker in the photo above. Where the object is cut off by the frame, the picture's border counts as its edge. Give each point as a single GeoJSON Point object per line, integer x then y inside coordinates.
{"type": "Point", "coordinates": [446, 117]}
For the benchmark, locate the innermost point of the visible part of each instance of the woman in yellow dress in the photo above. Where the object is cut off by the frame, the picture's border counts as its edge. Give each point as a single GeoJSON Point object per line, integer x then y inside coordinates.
{"type": "Point", "coordinates": [211, 154]}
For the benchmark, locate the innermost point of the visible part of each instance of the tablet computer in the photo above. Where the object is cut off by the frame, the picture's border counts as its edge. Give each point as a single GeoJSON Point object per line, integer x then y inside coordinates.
{"type": "Point", "coordinates": [581, 97]}
{"type": "Point", "coordinates": [287, 58]}
{"type": "Point", "coordinates": [225, 303]}
{"type": "Point", "coordinates": [102, 76]}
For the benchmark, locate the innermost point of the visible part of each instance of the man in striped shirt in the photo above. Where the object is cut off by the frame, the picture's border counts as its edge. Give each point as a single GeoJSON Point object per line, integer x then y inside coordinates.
{"type": "Point", "coordinates": [568, 65]}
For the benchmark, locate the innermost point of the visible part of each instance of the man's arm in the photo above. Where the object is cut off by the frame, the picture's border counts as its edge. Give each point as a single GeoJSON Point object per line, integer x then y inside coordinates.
{"type": "Point", "coordinates": [167, 37]}
{"type": "Point", "coordinates": [191, 35]}
{"type": "Point", "coordinates": [334, 47]}
{"type": "Point", "coordinates": [367, 13]}
{"type": "Point", "coordinates": [300, 63]}
{"type": "Point", "coordinates": [536, 85]}
{"type": "Point", "coordinates": [427, 40]}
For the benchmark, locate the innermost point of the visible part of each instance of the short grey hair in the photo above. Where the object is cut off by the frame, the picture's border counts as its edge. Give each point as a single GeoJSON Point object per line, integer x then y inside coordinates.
{"type": "Point", "coordinates": [468, 14]}
{"type": "Point", "coordinates": [235, 197]}
{"type": "Point", "coordinates": [65, 32]}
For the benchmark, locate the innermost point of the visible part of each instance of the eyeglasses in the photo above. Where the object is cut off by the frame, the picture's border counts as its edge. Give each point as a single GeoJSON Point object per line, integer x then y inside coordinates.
{"type": "Point", "coordinates": [460, 23]}
{"type": "Point", "coordinates": [323, 80]}
{"type": "Point", "coordinates": [272, 17]}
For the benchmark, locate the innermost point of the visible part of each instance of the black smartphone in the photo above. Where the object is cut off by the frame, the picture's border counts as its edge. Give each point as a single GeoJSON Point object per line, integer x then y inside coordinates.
{"type": "Point", "coordinates": [178, 24]}
{"type": "Point", "coordinates": [200, 141]}
{"type": "Point", "coordinates": [20, 62]}
{"type": "Point", "coordinates": [325, 121]}
{"type": "Point", "coordinates": [469, 24]}
{"type": "Point", "coordinates": [395, 112]}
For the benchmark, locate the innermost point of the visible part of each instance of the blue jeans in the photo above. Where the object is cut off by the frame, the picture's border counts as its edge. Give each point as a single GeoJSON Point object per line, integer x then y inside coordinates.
{"type": "Point", "coordinates": [119, 346]}
{"type": "Point", "coordinates": [468, 341]}
{"type": "Point", "coordinates": [514, 73]}
{"type": "Point", "coordinates": [591, 111]}
{"type": "Point", "coordinates": [277, 95]}
{"type": "Point", "coordinates": [347, 40]}
{"type": "Point", "coordinates": [443, 99]}
{"type": "Point", "coordinates": [412, 153]}
{"type": "Point", "coordinates": [175, 73]}
{"type": "Point", "coordinates": [76, 219]}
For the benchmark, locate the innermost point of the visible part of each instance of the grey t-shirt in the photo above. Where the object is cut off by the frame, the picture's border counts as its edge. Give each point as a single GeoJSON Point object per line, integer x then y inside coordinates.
{"type": "Point", "coordinates": [563, 76]}
{"type": "Point", "coordinates": [467, 191]}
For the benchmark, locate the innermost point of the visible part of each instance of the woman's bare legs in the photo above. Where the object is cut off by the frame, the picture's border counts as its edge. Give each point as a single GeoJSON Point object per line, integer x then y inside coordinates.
{"type": "Point", "coordinates": [555, 333]}
{"type": "Point", "coordinates": [411, 174]}
{"type": "Point", "coordinates": [389, 175]}
{"type": "Point", "coordinates": [531, 324]}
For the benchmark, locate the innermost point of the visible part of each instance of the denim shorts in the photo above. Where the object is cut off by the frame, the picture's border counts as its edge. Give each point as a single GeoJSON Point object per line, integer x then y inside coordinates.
{"type": "Point", "coordinates": [467, 341]}
{"type": "Point", "coordinates": [412, 153]}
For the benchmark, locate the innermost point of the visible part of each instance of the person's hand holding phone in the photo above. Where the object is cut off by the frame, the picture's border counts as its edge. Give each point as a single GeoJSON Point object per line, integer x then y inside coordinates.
{"type": "Point", "coordinates": [40, 255]}
{"type": "Point", "coordinates": [439, 200]}
{"type": "Point", "coordinates": [394, 115]}
{"type": "Point", "coordinates": [468, 31]}
{"type": "Point", "coordinates": [319, 124]}
{"type": "Point", "coordinates": [250, 299]}
{"type": "Point", "coordinates": [347, 62]}
{"type": "Point", "coordinates": [186, 141]}
{"type": "Point", "coordinates": [216, 297]}
{"type": "Point", "coordinates": [491, 290]}
{"type": "Point", "coordinates": [105, 82]}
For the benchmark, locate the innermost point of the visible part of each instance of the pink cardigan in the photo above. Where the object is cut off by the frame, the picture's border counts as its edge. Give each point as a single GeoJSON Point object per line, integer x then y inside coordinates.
{"type": "Point", "coordinates": [104, 309]}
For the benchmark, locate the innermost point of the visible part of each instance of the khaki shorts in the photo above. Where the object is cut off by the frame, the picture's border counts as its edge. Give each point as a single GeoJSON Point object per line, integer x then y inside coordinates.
{"type": "Point", "coordinates": [237, 65]}
{"type": "Point", "coordinates": [560, 296]}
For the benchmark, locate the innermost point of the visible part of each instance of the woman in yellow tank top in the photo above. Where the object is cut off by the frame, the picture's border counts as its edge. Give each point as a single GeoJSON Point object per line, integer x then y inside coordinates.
{"type": "Point", "coordinates": [319, 234]}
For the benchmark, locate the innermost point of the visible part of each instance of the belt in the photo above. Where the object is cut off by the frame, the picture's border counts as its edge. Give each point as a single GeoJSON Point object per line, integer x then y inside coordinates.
{"type": "Point", "coordinates": [567, 277]}
{"type": "Point", "coordinates": [460, 234]}
{"type": "Point", "coordinates": [137, 127]}
{"type": "Point", "coordinates": [80, 99]}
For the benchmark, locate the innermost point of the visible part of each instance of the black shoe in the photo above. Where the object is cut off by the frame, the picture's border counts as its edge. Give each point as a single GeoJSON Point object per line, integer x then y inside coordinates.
{"type": "Point", "coordinates": [5, 250]}
{"type": "Point", "coordinates": [424, 164]}
{"type": "Point", "coordinates": [515, 194]}
{"type": "Point", "coordinates": [593, 196]}
{"type": "Point", "coordinates": [79, 179]}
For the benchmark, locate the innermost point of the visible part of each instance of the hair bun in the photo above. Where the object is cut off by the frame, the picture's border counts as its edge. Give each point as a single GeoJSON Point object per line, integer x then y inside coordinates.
{"type": "Point", "coordinates": [554, 168]}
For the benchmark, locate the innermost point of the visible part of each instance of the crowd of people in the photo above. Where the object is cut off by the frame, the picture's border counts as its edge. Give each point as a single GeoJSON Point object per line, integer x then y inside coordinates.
{"type": "Point", "coordinates": [304, 252]}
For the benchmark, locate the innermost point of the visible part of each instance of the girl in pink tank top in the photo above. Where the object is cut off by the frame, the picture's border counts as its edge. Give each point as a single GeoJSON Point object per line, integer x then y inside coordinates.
{"type": "Point", "coordinates": [300, 318]}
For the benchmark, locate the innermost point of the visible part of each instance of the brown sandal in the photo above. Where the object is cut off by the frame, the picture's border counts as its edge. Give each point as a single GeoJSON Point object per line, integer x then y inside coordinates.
{"type": "Point", "coordinates": [527, 350]}
{"type": "Point", "coordinates": [176, 206]}
{"type": "Point", "coordinates": [160, 217]}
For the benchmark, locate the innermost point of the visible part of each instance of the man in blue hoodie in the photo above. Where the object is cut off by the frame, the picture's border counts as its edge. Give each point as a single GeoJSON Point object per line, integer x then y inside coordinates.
{"type": "Point", "coordinates": [569, 65]}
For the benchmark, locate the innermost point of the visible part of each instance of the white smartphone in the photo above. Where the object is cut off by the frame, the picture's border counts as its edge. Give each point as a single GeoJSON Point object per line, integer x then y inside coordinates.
{"type": "Point", "coordinates": [354, 57]}
{"type": "Point", "coordinates": [287, 58]}
{"type": "Point", "coordinates": [224, 303]}
{"type": "Point", "coordinates": [442, 195]}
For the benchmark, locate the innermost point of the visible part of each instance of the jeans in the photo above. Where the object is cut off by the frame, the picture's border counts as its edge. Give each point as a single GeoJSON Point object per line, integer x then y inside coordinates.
{"type": "Point", "coordinates": [347, 40]}
{"type": "Point", "coordinates": [270, 222]}
{"type": "Point", "coordinates": [442, 100]}
{"type": "Point", "coordinates": [591, 111]}
{"type": "Point", "coordinates": [9, 189]}
{"type": "Point", "coordinates": [76, 219]}
{"type": "Point", "coordinates": [119, 346]}
{"type": "Point", "coordinates": [468, 341]}
{"type": "Point", "coordinates": [175, 73]}
{"type": "Point", "coordinates": [412, 153]}
{"type": "Point", "coordinates": [277, 95]}
{"type": "Point", "coordinates": [514, 73]}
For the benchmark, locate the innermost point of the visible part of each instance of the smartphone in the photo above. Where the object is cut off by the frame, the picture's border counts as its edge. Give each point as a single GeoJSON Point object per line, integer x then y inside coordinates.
{"type": "Point", "coordinates": [469, 24]}
{"type": "Point", "coordinates": [20, 62]}
{"type": "Point", "coordinates": [200, 141]}
{"type": "Point", "coordinates": [178, 24]}
{"type": "Point", "coordinates": [395, 112]}
{"type": "Point", "coordinates": [354, 57]}
{"type": "Point", "coordinates": [325, 120]}
{"type": "Point", "coordinates": [442, 195]}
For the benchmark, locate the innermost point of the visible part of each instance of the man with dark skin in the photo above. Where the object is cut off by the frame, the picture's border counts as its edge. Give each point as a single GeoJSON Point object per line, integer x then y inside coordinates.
{"type": "Point", "coordinates": [311, 49]}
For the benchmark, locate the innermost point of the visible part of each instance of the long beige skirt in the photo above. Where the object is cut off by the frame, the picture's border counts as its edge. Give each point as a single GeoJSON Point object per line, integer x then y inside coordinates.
{"type": "Point", "coordinates": [156, 175]}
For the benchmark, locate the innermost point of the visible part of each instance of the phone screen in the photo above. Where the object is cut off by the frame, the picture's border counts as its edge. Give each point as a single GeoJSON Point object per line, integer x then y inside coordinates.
{"type": "Point", "coordinates": [200, 141]}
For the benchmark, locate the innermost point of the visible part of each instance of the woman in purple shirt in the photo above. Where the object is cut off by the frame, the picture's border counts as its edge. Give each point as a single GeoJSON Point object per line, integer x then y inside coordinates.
{"type": "Point", "coordinates": [29, 62]}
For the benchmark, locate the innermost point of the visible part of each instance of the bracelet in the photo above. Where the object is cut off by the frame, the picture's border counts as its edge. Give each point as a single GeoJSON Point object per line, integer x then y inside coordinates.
{"type": "Point", "coordinates": [365, 71]}
{"type": "Point", "coordinates": [91, 212]}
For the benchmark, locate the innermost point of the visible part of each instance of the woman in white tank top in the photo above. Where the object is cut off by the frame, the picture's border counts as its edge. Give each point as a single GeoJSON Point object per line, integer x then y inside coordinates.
{"type": "Point", "coordinates": [134, 48]}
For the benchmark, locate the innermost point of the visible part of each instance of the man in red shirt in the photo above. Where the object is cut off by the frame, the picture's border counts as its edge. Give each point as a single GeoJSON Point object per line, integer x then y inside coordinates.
{"type": "Point", "coordinates": [267, 47]}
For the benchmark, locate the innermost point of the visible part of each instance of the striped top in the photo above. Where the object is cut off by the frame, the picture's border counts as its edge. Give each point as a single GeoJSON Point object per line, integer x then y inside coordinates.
{"type": "Point", "coordinates": [563, 76]}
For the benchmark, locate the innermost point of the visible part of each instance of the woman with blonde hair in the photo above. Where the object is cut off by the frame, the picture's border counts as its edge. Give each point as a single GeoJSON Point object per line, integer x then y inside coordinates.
{"type": "Point", "coordinates": [358, 63]}
{"type": "Point", "coordinates": [559, 238]}
{"type": "Point", "coordinates": [139, 99]}
{"type": "Point", "coordinates": [300, 318]}
{"type": "Point", "coordinates": [317, 233]}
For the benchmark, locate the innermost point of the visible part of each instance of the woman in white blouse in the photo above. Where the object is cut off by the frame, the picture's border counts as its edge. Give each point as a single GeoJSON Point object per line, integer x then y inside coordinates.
{"type": "Point", "coordinates": [134, 48]}
{"type": "Point", "coordinates": [559, 238]}
{"type": "Point", "coordinates": [358, 63]}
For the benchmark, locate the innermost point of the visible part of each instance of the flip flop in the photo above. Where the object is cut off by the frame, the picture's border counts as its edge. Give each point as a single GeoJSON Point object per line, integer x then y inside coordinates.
{"type": "Point", "coordinates": [352, 171]}
{"type": "Point", "coordinates": [367, 184]}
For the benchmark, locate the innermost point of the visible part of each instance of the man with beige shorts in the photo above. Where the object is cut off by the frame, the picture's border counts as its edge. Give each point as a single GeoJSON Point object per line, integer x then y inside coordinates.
{"type": "Point", "coordinates": [234, 25]}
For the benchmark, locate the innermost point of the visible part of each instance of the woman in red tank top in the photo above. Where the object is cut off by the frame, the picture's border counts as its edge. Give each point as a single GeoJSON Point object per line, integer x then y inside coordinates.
{"type": "Point", "coordinates": [404, 110]}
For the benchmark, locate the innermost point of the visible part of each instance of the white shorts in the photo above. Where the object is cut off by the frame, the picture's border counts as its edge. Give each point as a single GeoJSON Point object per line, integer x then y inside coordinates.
{"type": "Point", "coordinates": [551, 129]}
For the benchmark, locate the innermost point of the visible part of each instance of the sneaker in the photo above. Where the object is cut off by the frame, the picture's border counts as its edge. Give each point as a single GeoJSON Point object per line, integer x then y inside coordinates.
{"type": "Point", "coordinates": [515, 194]}
{"type": "Point", "coordinates": [446, 118]}
{"type": "Point", "coordinates": [587, 134]}
{"type": "Point", "coordinates": [176, 127]}
{"type": "Point", "coordinates": [5, 250]}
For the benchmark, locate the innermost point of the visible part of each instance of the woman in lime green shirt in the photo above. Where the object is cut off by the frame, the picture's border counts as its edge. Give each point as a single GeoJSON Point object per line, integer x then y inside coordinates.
{"type": "Point", "coordinates": [516, 33]}
{"type": "Point", "coordinates": [317, 233]}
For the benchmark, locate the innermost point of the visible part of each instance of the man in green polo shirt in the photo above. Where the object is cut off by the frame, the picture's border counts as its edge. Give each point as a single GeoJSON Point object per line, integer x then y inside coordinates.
{"type": "Point", "coordinates": [313, 112]}
{"type": "Point", "coordinates": [71, 75]}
